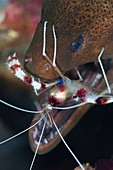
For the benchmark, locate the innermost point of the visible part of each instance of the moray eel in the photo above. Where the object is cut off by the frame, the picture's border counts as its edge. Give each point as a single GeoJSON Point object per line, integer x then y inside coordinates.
{"type": "Point", "coordinates": [82, 29]}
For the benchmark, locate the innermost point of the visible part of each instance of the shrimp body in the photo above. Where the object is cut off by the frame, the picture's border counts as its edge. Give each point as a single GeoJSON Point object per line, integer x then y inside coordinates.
{"type": "Point", "coordinates": [70, 89]}
{"type": "Point", "coordinates": [74, 90]}
{"type": "Point", "coordinates": [61, 90]}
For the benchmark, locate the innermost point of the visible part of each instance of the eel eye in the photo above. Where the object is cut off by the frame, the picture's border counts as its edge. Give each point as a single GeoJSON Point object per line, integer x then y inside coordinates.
{"type": "Point", "coordinates": [77, 44]}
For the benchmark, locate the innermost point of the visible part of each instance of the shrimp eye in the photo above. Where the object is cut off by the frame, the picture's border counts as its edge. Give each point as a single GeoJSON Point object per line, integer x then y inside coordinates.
{"type": "Point", "coordinates": [77, 44]}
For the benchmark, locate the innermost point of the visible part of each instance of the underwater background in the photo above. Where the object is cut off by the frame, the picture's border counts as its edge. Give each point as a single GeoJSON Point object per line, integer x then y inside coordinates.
{"type": "Point", "coordinates": [90, 140]}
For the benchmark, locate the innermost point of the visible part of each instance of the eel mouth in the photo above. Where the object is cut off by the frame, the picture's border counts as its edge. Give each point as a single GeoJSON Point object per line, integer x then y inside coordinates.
{"type": "Point", "coordinates": [67, 119]}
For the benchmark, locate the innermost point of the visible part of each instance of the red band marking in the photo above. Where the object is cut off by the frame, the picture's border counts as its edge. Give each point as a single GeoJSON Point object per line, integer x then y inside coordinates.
{"type": "Point", "coordinates": [101, 100]}
{"type": "Point", "coordinates": [28, 79]}
{"type": "Point", "coordinates": [53, 101]}
{"type": "Point", "coordinates": [15, 67]}
{"type": "Point", "coordinates": [61, 87]}
{"type": "Point", "coordinates": [13, 58]}
{"type": "Point", "coordinates": [81, 93]}
{"type": "Point", "coordinates": [43, 86]}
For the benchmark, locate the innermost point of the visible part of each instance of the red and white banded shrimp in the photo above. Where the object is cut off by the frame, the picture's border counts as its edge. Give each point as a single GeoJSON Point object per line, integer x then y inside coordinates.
{"type": "Point", "coordinates": [60, 91]}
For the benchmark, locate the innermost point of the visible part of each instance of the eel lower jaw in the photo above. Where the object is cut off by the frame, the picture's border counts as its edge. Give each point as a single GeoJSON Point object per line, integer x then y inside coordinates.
{"type": "Point", "coordinates": [67, 119]}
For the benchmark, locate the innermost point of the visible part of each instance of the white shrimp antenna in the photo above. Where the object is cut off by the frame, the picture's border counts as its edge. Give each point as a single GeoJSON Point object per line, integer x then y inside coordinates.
{"type": "Point", "coordinates": [55, 49]}
{"type": "Point", "coordinates": [18, 134]}
{"type": "Point", "coordinates": [103, 71]}
{"type": "Point", "coordinates": [20, 109]}
{"type": "Point", "coordinates": [55, 45]}
{"type": "Point", "coordinates": [67, 145]}
{"type": "Point", "coordinates": [69, 107]}
{"type": "Point", "coordinates": [38, 144]}
{"type": "Point", "coordinates": [44, 40]}
{"type": "Point", "coordinates": [79, 75]}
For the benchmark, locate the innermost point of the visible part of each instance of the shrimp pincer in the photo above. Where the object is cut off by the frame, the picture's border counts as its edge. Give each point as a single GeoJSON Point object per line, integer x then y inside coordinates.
{"type": "Point", "coordinates": [63, 89]}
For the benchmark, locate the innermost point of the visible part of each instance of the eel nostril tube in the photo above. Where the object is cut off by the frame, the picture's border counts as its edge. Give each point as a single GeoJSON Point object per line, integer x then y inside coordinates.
{"type": "Point", "coordinates": [28, 59]}
{"type": "Point", "coordinates": [47, 67]}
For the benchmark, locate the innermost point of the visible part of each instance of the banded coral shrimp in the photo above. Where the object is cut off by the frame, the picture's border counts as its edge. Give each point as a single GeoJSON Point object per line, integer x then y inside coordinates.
{"type": "Point", "coordinates": [60, 91]}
